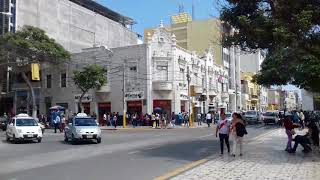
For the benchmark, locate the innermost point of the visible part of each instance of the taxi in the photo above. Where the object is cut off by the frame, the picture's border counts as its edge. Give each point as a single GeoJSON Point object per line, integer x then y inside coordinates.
{"type": "Point", "coordinates": [23, 127]}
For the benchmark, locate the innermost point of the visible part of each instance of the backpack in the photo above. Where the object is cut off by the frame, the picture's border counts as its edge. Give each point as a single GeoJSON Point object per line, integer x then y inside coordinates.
{"type": "Point", "coordinates": [241, 130]}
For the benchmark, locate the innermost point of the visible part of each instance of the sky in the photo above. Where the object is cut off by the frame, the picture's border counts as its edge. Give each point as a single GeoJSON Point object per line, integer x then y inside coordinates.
{"type": "Point", "coordinates": [149, 13]}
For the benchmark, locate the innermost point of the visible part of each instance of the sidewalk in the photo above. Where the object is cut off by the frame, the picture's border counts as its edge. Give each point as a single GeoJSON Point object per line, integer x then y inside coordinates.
{"type": "Point", "coordinates": [264, 158]}
{"type": "Point", "coordinates": [130, 127]}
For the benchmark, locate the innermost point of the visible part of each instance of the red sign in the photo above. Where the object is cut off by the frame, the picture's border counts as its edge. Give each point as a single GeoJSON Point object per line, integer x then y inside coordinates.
{"type": "Point", "coordinates": [134, 103]}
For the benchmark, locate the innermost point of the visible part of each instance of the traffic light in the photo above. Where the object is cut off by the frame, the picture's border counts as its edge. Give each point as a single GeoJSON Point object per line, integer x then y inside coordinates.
{"type": "Point", "coordinates": [35, 74]}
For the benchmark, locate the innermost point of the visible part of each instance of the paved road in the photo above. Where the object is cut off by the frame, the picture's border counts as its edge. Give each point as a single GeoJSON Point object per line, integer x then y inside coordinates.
{"type": "Point", "coordinates": [132, 154]}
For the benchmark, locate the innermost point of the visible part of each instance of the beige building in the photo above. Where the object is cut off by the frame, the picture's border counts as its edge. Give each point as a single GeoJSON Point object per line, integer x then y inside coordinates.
{"type": "Point", "coordinates": [250, 98]}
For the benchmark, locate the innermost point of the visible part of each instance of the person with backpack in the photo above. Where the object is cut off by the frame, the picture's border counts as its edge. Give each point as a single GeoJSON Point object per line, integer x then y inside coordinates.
{"type": "Point", "coordinates": [223, 127]}
{"type": "Point", "coordinates": [238, 130]}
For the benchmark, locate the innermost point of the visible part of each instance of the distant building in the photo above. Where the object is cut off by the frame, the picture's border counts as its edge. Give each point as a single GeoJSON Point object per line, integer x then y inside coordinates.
{"type": "Point", "coordinates": [307, 100]}
{"type": "Point", "coordinates": [274, 99]}
{"type": "Point", "coordinates": [250, 91]}
{"type": "Point", "coordinates": [75, 24]}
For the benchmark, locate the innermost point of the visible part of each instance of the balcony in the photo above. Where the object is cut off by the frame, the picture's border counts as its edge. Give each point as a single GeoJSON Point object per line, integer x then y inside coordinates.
{"type": "Point", "coordinates": [104, 89]}
{"type": "Point", "coordinates": [17, 86]}
{"type": "Point", "coordinates": [254, 98]}
{"type": "Point", "coordinates": [162, 86]}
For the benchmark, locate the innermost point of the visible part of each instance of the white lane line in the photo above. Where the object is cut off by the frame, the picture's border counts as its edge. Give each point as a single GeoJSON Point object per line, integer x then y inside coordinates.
{"type": "Point", "coordinates": [205, 136]}
{"type": "Point", "coordinates": [133, 152]}
{"type": "Point", "coordinates": [151, 148]}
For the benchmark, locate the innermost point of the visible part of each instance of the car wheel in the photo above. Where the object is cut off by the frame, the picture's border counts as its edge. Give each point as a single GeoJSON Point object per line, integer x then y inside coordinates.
{"type": "Point", "coordinates": [65, 137]}
{"type": "Point", "coordinates": [39, 140]}
{"type": "Point", "coordinates": [98, 140]}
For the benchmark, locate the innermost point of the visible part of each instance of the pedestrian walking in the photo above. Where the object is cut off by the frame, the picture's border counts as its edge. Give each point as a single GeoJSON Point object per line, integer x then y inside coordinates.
{"type": "Point", "coordinates": [223, 128]}
{"type": "Point", "coordinates": [238, 130]}
{"type": "Point", "coordinates": [63, 123]}
{"type": "Point", "coordinates": [157, 120]}
{"type": "Point", "coordinates": [199, 119]}
{"type": "Point", "coordinates": [56, 123]}
{"type": "Point", "coordinates": [115, 119]}
{"type": "Point", "coordinates": [186, 120]}
{"type": "Point", "coordinates": [209, 119]}
{"type": "Point", "coordinates": [105, 122]}
{"type": "Point", "coordinates": [134, 120]}
{"type": "Point", "coordinates": [173, 120]}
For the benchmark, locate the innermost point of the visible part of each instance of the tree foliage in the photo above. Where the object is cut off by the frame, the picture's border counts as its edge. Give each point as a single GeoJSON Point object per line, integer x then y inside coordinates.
{"type": "Point", "coordinates": [29, 45]}
{"type": "Point", "coordinates": [289, 33]}
{"type": "Point", "coordinates": [91, 77]}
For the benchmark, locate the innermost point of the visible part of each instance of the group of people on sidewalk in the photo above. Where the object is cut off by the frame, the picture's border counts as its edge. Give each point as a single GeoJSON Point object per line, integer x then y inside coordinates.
{"type": "Point", "coordinates": [236, 128]}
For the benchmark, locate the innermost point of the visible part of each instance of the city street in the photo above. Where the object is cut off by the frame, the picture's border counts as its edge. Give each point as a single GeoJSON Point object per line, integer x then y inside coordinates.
{"type": "Point", "coordinates": [123, 154]}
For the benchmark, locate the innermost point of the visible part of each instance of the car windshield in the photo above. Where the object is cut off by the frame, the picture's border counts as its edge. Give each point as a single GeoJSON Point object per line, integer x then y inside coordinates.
{"type": "Point", "coordinates": [270, 114]}
{"type": "Point", "coordinates": [85, 122]}
{"type": "Point", "coordinates": [26, 122]}
{"type": "Point", "coordinates": [251, 113]}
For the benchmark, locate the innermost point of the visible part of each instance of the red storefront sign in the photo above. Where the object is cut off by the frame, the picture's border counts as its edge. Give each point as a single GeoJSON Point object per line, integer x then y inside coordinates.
{"type": "Point", "coordinates": [134, 103]}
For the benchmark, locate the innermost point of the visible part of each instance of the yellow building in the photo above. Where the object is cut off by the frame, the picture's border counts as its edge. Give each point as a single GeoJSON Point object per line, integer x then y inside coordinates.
{"type": "Point", "coordinates": [199, 35]}
{"type": "Point", "coordinates": [250, 91]}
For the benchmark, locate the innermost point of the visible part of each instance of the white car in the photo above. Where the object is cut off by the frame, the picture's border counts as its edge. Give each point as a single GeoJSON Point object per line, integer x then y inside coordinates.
{"type": "Point", "coordinates": [23, 127]}
{"type": "Point", "coordinates": [81, 128]}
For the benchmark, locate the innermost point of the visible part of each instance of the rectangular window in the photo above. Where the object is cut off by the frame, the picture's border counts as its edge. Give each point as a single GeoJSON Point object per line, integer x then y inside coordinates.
{"type": "Point", "coordinates": [49, 79]}
{"type": "Point", "coordinates": [162, 73]}
{"type": "Point", "coordinates": [63, 80]}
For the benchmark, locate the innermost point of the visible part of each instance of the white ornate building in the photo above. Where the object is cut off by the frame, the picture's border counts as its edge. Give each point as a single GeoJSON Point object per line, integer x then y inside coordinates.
{"type": "Point", "coordinates": [155, 74]}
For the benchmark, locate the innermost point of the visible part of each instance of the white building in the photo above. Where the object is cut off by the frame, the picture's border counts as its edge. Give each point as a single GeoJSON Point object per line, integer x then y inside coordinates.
{"type": "Point", "coordinates": [155, 74]}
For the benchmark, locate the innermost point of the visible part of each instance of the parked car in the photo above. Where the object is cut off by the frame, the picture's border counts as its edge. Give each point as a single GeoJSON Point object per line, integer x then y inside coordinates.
{"type": "Point", "coordinates": [270, 117]}
{"type": "Point", "coordinates": [23, 127]}
{"type": "Point", "coordinates": [252, 117]}
{"type": "Point", "coordinates": [82, 127]}
{"type": "Point", "coordinates": [229, 116]}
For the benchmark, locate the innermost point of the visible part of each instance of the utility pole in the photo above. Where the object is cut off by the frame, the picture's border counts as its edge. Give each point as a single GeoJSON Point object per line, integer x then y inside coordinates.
{"type": "Point", "coordinates": [189, 94]}
{"type": "Point", "coordinates": [123, 96]}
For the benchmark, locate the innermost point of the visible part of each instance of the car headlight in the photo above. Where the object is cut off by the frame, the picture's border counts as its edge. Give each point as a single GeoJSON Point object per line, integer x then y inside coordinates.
{"type": "Point", "coordinates": [19, 130]}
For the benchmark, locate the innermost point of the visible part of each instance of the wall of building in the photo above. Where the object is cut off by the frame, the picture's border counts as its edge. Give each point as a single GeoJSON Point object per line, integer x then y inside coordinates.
{"type": "Point", "coordinates": [307, 100]}
{"type": "Point", "coordinates": [73, 26]}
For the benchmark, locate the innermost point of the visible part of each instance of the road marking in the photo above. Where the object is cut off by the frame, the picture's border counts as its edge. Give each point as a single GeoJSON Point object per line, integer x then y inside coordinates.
{"type": "Point", "coordinates": [201, 137]}
{"type": "Point", "coordinates": [150, 148]}
{"type": "Point", "coordinates": [181, 169]}
{"type": "Point", "coordinates": [133, 152]}
{"type": "Point", "coordinates": [260, 136]}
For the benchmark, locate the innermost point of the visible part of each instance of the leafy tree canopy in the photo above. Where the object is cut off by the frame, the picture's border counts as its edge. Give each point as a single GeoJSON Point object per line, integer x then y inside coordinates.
{"type": "Point", "coordinates": [287, 30]}
{"type": "Point", "coordinates": [92, 76]}
{"type": "Point", "coordinates": [30, 44]}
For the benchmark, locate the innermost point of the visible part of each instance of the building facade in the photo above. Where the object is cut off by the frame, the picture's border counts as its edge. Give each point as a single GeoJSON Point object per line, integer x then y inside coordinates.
{"type": "Point", "coordinates": [250, 91]}
{"type": "Point", "coordinates": [203, 35]}
{"type": "Point", "coordinates": [75, 24]}
{"type": "Point", "coordinates": [274, 99]}
{"type": "Point", "coordinates": [153, 75]}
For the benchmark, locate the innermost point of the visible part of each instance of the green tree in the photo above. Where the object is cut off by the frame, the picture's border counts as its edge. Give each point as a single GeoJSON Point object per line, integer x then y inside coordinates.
{"type": "Point", "coordinates": [91, 77]}
{"type": "Point", "coordinates": [26, 46]}
{"type": "Point", "coordinates": [289, 33]}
